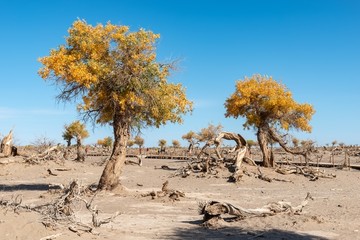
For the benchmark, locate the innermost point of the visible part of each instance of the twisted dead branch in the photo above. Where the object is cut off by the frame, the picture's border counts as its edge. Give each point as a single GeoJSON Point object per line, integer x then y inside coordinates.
{"type": "Point", "coordinates": [208, 163]}
{"type": "Point", "coordinates": [95, 212]}
{"type": "Point", "coordinates": [51, 237]}
{"type": "Point", "coordinates": [51, 153]}
{"type": "Point", "coordinates": [130, 162]}
{"type": "Point", "coordinates": [213, 210]}
{"type": "Point", "coordinates": [305, 151]}
{"type": "Point", "coordinates": [61, 210]}
{"type": "Point", "coordinates": [173, 195]}
{"type": "Point", "coordinates": [309, 172]}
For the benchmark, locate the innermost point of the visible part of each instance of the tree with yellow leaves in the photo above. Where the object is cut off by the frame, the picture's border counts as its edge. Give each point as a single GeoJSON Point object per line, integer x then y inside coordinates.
{"type": "Point", "coordinates": [139, 141]}
{"type": "Point", "coordinates": [192, 138]}
{"type": "Point", "coordinates": [209, 133]}
{"type": "Point", "coordinates": [115, 74]}
{"type": "Point", "coordinates": [73, 130]}
{"type": "Point", "coordinates": [78, 131]}
{"type": "Point", "coordinates": [105, 142]}
{"type": "Point", "coordinates": [269, 108]}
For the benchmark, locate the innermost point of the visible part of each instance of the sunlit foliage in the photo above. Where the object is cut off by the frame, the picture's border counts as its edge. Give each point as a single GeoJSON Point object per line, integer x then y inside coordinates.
{"type": "Point", "coordinates": [105, 142]}
{"type": "Point", "coordinates": [209, 133]}
{"type": "Point", "coordinates": [75, 130]}
{"type": "Point", "coordinates": [117, 79]}
{"type": "Point", "coordinates": [191, 137]}
{"type": "Point", "coordinates": [130, 143]}
{"type": "Point", "coordinates": [269, 108]}
{"type": "Point", "coordinates": [263, 101]}
{"type": "Point", "coordinates": [162, 143]}
{"type": "Point", "coordinates": [113, 69]}
{"type": "Point", "coordinates": [138, 140]}
{"type": "Point", "coordinates": [176, 143]}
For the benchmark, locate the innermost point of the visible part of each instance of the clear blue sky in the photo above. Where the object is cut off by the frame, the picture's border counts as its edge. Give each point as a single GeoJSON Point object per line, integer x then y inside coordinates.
{"type": "Point", "coordinates": [312, 46]}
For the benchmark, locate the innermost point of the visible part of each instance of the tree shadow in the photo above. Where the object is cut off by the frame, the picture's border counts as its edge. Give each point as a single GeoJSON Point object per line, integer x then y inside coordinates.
{"type": "Point", "coordinates": [27, 187]}
{"type": "Point", "coordinates": [234, 232]}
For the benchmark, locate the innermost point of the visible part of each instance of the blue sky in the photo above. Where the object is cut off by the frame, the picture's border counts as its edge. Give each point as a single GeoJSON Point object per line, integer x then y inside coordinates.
{"type": "Point", "coordinates": [312, 46]}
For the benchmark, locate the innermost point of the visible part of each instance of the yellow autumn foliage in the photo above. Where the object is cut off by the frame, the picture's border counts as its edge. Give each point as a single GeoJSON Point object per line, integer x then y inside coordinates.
{"type": "Point", "coordinates": [114, 70]}
{"type": "Point", "coordinates": [105, 142]}
{"type": "Point", "coordinates": [74, 130]}
{"type": "Point", "coordinates": [265, 102]}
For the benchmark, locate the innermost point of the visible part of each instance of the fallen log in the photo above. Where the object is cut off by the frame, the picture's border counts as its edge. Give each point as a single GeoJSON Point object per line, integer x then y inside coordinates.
{"type": "Point", "coordinates": [309, 172]}
{"type": "Point", "coordinates": [130, 162]}
{"type": "Point", "coordinates": [213, 210]}
{"type": "Point", "coordinates": [166, 167]}
{"type": "Point", "coordinates": [173, 195]}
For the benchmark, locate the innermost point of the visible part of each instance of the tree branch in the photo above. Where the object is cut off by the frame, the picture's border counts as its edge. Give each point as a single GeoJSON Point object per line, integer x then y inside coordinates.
{"type": "Point", "coordinates": [275, 136]}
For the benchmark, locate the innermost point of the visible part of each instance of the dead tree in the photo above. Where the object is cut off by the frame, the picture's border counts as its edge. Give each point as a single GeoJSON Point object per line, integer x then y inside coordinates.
{"type": "Point", "coordinates": [211, 162]}
{"type": "Point", "coordinates": [62, 210]}
{"type": "Point", "coordinates": [80, 149]}
{"type": "Point", "coordinates": [6, 145]}
{"type": "Point", "coordinates": [311, 173]}
{"type": "Point", "coordinates": [51, 153]}
{"type": "Point", "coordinates": [173, 195]}
{"type": "Point", "coordinates": [239, 151]}
{"type": "Point", "coordinates": [213, 210]}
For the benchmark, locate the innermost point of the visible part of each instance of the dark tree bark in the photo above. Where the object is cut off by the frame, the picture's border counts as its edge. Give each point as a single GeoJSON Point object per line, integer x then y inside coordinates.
{"type": "Point", "coordinates": [190, 148]}
{"type": "Point", "coordinates": [110, 177]}
{"type": "Point", "coordinates": [263, 139]}
{"type": "Point", "coordinates": [14, 151]}
{"type": "Point", "coordinates": [266, 133]}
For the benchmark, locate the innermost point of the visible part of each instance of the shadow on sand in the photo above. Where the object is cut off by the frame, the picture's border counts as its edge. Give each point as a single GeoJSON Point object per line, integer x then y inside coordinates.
{"type": "Point", "coordinates": [239, 233]}
{"type": "Point", "coordinates": [26, 187]}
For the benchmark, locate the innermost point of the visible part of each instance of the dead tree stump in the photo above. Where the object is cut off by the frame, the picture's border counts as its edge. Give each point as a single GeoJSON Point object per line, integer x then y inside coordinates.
{"type": "Point", "coordinates": [6, 145]}
{"type": "Point", "coordinates": [80, 149]}
{"type": "Point", "coordinates": [240, 150]}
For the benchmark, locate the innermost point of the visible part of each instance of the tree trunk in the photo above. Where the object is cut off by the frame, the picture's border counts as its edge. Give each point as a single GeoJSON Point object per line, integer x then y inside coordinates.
{"type": "Point", "coordinates": [275, 136]}
{"type": "Point", "coordinates": [6, 145]}
{"type": "Point", "coordinates": [80, 150]}
{"type": "Point", "coordinates": [262, 136]}
{"type": "Point", "coordinates": [110, 177]}
{"type": "Point", "coordinates": [190, 148]}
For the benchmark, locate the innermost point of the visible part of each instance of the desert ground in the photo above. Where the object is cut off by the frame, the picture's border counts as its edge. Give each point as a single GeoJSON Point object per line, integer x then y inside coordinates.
{"type": "Point", "coordinates": [333, 212]}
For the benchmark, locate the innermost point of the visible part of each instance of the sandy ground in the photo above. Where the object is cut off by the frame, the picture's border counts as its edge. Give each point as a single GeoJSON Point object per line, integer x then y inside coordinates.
{"type": "Point", "coordinates": [333, 214]}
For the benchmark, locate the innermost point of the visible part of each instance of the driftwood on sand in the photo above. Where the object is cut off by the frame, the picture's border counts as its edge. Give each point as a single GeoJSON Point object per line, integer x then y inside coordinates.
{"type": "Point", "coordinates": [213, 210]}
{"type": "Point", "coordinates": [173, 194]}
{"type": "Point", "coordinates": [309, 172]}
{"type": "Point", "coordinates": [63, 210]}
